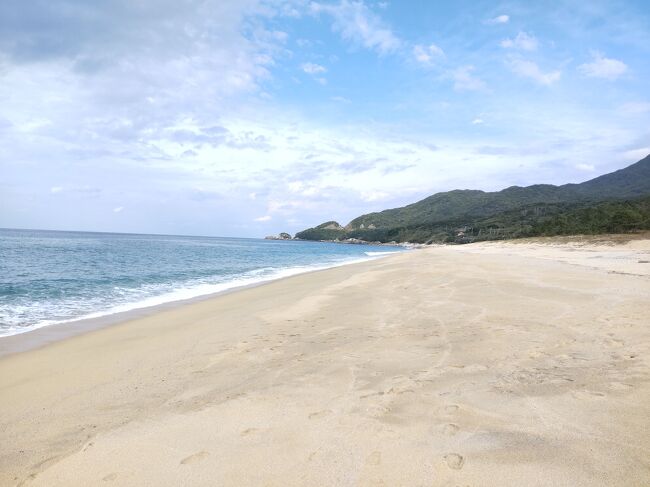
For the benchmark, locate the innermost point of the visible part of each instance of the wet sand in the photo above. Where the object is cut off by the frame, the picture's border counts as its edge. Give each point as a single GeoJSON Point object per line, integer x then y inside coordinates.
{"type": "Point", "coordinates": [498, 364]}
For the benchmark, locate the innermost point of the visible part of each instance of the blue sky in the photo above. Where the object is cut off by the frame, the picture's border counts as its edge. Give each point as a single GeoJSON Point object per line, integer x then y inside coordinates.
{"type": "Point", "coordinates": [252, 117]}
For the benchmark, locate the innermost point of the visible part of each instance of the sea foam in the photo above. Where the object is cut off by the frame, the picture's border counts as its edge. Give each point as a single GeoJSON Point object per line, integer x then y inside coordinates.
{"type": "Point", "coordinates": [97, 275]}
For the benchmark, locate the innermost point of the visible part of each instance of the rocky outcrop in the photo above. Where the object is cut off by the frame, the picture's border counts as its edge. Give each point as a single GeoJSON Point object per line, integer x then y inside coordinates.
{"type": "Point", "coordinates": [281, 236]}
{"type": "Point", "coordinates": [330, 226]}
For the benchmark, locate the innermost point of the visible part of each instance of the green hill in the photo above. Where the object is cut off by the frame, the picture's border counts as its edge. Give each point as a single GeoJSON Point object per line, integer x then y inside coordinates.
{"type": "Point", "coordinates": [543, 209]}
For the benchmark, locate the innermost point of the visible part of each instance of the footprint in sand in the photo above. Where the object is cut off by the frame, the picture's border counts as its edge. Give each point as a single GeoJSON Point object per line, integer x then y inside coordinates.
{"type": "Point", "coordinates": [399, 391]}
{"type": "Point", "coordinates": [110, 477]}
{"type": "Point", "coordinates": [454, 461]}
{"type": "Point", "coordinates": [450, 429]}
{"type": "Point", "coordinates": [587, 394]}
{"type": "Point", "coordinates": [371, 394]}
{"type": "Point", "coordinates": [374, 458]}
{"type": "Point", "coordinates": [596, 393]}
{"type": "Point", "coordinates": [196, 457]}
{"type": "Point", "coordinates": [319, 414]}
{"type": "Point", "coordinates": [377, 410]}
{"type": "Point", "coordinates": [620, 386]}
{"type": "Point", "coordinates": [451, 408]}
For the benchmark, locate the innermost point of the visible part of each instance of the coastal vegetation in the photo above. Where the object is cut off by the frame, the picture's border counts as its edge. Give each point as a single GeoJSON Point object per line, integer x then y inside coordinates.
{"type": "Point", "coordinates": [615, 202]}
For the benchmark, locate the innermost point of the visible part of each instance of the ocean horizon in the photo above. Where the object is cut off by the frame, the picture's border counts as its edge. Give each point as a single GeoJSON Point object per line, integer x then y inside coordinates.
{"type": "Point", "coordinates": [53, 277]}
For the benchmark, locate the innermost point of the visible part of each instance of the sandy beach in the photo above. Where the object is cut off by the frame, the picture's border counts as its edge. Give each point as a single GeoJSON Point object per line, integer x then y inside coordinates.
{"type": "Point", "coordinates": [496, 364]}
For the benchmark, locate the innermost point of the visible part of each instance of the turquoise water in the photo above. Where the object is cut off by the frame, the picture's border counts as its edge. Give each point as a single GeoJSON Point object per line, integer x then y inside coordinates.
{"type": "Point", "coordinates": [50, 277]}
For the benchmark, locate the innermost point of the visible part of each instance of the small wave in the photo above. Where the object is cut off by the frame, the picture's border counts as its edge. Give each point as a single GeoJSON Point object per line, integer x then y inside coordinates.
{"type": "Point", "coordinates": [184, 293]}
{"type": "Point", "coordinates": [375, 254]}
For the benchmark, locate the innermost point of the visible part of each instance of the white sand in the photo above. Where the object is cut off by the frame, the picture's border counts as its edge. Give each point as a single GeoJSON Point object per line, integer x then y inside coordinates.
{"type": "Point", "coordinates": [481, 365]}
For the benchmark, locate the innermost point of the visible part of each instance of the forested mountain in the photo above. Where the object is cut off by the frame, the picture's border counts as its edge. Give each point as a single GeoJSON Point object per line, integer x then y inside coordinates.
{"type": "Point", "coordinates": [618, 201]}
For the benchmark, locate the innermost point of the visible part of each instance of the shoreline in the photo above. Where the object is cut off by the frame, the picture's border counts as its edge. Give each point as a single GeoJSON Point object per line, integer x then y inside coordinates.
{"type": "Point", "coordinates": [492, 365]}
{"type": "Point", "coordinates": [35, 338]}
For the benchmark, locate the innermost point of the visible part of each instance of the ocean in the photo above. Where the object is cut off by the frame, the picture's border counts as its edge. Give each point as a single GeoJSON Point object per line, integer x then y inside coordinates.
{"type": "Point", "coordinates": [54, 277]}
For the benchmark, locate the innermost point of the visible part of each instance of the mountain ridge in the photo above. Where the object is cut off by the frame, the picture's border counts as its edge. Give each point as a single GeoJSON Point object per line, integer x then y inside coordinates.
{"type": "Point", "coordinates": [445, 215]}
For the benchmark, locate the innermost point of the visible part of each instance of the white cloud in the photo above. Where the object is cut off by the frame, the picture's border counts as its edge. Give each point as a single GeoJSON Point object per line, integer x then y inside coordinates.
{"type": "Point", "coordinates": [358, 24]}
{"type": "Point", "coordinates": [313, 68]}
{"type": "Point", "coordinates": [33, 124]}
{"type": "Point", "coordinates": [635, 155]}
{"type": "Point", "coordinates": [303, 188]}
{"type": "Point", "coordinates": [76, 190]}
{"type": "Point", "coordinates": [119, 78]}
{"type": "Point", "coordinates": [465, 81]}
{"type": "Point", "coordinates": [477, 121]}
{"type": "Point", "coordinates": [602, 67]}
{"type": "Point", "coordinates": [427, 54]}
{"type": "Point", "coordinates": [284, 207]}
{"type": "Point", "coordinates": [118, 209]}
{"type": "Point", "coordinates": [585, 167]}
{"type": "Point", "coordinates": [635, 108]}
{"type": "Point", "coordinates": [125, 127]}
{"type": "Point", "coordinates": [529, 69]}
{"type": "Point", "coordinates": [523, 42]}
{"type": "Point", "coordinates": [371, 196]}
{"type": "Point", "coordinates": [499, 19]}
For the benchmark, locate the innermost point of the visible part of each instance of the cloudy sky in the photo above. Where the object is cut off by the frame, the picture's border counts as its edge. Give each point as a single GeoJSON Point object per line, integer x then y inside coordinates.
{"type": "Point", "coordinates": [250, 117]}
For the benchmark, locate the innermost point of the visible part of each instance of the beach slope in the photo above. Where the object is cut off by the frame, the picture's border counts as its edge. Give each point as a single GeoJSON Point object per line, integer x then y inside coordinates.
{"type": "Point", "coordinates": [500, 364]}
